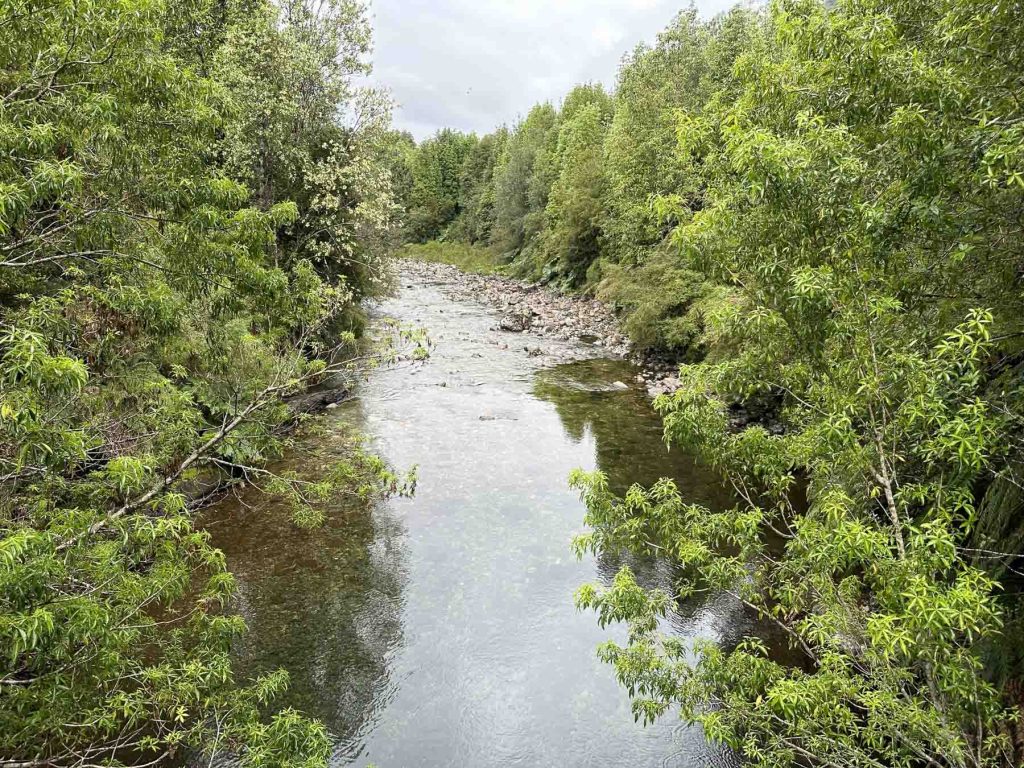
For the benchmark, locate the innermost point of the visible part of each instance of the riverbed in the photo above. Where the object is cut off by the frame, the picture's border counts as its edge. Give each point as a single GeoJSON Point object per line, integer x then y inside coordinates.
{"type": "Point", "coordinates": [440, 630]}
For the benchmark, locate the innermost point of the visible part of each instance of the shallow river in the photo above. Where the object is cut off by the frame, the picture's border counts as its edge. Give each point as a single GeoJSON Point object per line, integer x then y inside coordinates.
{"type": "Point", "coordinates": [440, 630]}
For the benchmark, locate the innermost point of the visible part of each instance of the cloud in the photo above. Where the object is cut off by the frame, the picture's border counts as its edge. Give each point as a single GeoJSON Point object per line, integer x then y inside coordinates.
{"type": "Point", "coordinates": [606, 34]}
{"type": "Point", "coordinates": [475, 64]}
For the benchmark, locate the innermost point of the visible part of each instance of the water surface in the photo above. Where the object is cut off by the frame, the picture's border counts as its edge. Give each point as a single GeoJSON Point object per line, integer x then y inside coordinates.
{"type": "Point", "coordinates": [440, 630]}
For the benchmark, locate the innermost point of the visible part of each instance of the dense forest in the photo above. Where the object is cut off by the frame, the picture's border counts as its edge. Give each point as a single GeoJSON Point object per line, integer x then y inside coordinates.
{"type": "Point", "coordinates": [816, 209]}
{"type": "Point", "coordinates": [194, 198]}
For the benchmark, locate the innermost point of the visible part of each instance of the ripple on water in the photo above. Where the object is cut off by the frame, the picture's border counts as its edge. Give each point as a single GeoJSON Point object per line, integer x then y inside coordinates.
{"type": "Point", "coordinates": [440, 630]}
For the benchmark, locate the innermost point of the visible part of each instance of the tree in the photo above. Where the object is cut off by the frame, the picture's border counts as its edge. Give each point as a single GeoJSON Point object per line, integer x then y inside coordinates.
{"type": "Point", "coordinates": [860, 198]}
{"type": "Point", "coordinates": [519, 198]}
{"type": "Point", "coordinates": [155, 309]}
{"type": "Point", "coordinates": [662, 299]}
{"type": "Point", "coordinates": [691, 62]}
{"type": "Point", "coordinates": [436, 169]}
{"type": "Point", "coordinates": [571, 240]}
{"type": "Point", "coordinates": [476, 188]}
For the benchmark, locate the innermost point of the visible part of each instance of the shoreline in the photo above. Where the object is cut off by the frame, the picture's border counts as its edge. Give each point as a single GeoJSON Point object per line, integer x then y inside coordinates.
{"type": "Point", "coordinates": [545, 312]}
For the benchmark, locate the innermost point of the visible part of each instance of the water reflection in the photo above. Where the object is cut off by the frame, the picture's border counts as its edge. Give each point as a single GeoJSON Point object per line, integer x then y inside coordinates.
{"type": "Point", "coordinates": [591, 402]}
{"type": "Point", "coordinates": [326, 605]}
{"type": "Point", "coordinates": [441, 630]}
{"type": "Point", "coordinates": [592, 397]}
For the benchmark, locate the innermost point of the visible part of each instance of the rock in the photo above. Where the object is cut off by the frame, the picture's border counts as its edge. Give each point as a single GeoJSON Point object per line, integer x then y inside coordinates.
{"type": "Point", "coordinates": [516, 322]}
{"type": "Point", "coordinates": [316, 401]}
{"type": "Point", "coordinates": [541, 310]}
{"type": "Point", "coordinates": [620, 385]}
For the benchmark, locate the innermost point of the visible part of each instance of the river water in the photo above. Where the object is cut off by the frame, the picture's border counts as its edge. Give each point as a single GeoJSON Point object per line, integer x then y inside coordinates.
{"type": "Point", "coordinates": [440, 630]}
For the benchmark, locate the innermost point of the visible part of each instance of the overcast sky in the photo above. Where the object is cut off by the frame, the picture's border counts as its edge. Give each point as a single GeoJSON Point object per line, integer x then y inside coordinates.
{"type": "Point", "coordinates": [474, 64]}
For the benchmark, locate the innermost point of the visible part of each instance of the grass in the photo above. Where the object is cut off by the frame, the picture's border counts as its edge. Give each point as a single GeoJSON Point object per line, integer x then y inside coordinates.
{"type": "Point", "coordinates": [468, 258]}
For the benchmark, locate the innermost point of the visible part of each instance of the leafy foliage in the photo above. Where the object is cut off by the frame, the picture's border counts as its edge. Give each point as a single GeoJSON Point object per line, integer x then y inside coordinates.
{"type": "Point", "coordinates": [184, 224]}
{"type": "Point", "coordinates": [436, 169]}
{"type": "Point", "coordinates": [849, 205]}
{"type": "Point", "coordinates": [815, 206]}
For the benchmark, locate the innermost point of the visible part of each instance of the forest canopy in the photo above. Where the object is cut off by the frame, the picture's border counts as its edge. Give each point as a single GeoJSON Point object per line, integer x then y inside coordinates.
{"type": "Point", "coordinates": [194, 198]}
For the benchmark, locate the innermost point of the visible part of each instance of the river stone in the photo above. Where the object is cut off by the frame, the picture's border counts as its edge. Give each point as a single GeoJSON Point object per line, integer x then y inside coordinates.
{"type": "Point", "coordinates": [516, 322]}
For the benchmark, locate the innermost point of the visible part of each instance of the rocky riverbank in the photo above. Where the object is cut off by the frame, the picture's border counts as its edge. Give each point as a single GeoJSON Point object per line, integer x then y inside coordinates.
{"type": "Point", "coordinates": [545, 312]}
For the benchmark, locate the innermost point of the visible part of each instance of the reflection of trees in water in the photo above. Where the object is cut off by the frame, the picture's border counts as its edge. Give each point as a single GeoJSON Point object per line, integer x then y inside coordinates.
{"type": "Point", "coordinates": [629, 449]}
{"type": "Point", "coordinates": [626, 430]}
{"type": "Point", "coordinates": [325, 604]}
{"type": "Point", "coordinates": [711, 615]}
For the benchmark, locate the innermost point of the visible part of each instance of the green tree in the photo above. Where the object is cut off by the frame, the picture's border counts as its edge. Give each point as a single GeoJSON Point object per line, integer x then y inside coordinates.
{"type": "Point", "coordinates": [571, 240]}
{"type": "Point", "coordinates": [663, 300]}
{"type": "Point", "coordinates": [286, 72]}
{"type": "Point", "coordinates": [859, 205]}
{"type": "Point", "coordinates": [436, 170]}
{"type": "Point", "coordinates": [476, 188]}
{"type": "Point", "coordinates": [154, 311]}
{"type": "Point", "coordinates": [690, 63]}
{"type": "Point", "coordinates": [519, 198]}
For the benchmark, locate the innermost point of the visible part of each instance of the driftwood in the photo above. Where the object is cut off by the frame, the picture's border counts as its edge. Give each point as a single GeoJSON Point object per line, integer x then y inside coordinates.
{"type": "Point", "coordinates": [211, 483]}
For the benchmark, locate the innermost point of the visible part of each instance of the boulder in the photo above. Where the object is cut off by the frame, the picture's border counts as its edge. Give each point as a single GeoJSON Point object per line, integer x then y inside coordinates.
{"type": "Point", "coordinates": [517, 321]}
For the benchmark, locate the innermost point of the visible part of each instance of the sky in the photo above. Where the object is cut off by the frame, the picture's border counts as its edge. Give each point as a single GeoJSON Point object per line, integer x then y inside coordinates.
{"type": "Point", "coordinates": [475, 64]}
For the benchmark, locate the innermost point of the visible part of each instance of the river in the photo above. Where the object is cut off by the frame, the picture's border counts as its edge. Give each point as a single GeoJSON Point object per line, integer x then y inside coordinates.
{"type": "Point", "coordinates": [440, 630]}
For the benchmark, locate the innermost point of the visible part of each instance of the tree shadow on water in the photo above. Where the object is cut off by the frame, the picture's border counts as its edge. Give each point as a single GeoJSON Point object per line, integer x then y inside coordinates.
{"type": "Point", "coordinates": [325, 604]}
{"type": "Point", "coordinates": [627, 433]}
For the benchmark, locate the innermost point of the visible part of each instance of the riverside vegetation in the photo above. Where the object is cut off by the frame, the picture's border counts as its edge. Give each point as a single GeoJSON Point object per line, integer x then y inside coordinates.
{"type": "Point", "coordinates": [194, 198]}
{"type": "Point", "coordinates": [817, 209]}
